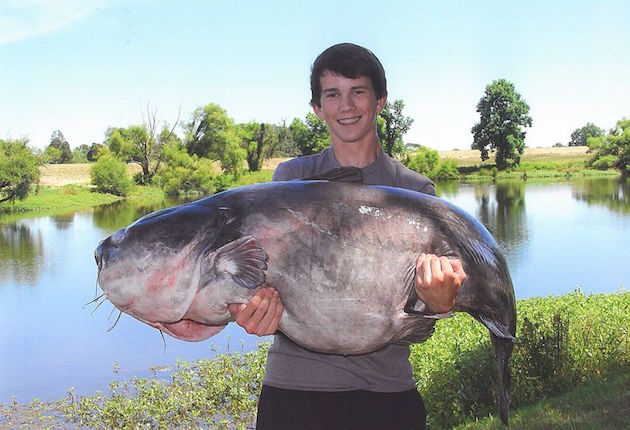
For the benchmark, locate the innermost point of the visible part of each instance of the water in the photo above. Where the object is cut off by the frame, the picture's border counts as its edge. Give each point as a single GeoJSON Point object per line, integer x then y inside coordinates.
{"type": "Point", "coordinates": [556, 236]}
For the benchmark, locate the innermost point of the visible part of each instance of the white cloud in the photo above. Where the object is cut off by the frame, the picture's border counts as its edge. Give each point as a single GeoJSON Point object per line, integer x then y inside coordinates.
{"type": "Point", "coordinates": [20, 19]}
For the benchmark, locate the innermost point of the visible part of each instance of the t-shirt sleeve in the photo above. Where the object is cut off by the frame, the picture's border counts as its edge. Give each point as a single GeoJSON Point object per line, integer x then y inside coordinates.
{"type": "Point", "coordinates": [284, 172]}
{"type": "Point", "coordinates": [428, 188]}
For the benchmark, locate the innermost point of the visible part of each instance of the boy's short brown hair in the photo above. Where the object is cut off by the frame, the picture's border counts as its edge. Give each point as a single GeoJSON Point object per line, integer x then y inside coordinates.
{"type": "Point", "coordinates": [351, 61]}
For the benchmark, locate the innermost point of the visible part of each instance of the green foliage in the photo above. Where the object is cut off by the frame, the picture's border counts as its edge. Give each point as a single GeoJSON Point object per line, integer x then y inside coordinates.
{"type": "Point", "coordinates": [109, 175]}
{"type": "Point", "coordinates": [612, 150]}
{"type": "Point", "coordinates": [561, 342]}
{"type": "Point", "coordinates": [218, 393]}
{"type": "Point", "coordinates": [184, 173]}
{"type": "Point", "coordinates": [79, 154]}
{"type": "Point", "coordinates": [92, 154]}
{"type": "Point", "coordinates": [51, 155]}
{"type": "Point", "coordinates": [56, 201]}
{"type": "Point", "coordinates": [427, 162]}
{"type": "Point", "coordinates": [19, 169]}
{"type": "Point", "coordinates": [257, 139]}
{"type": "Point", "coordinates": [446, 169]}
{"type": "Point", "coordinates": [393, 127]}
{"type": "Point", "coordinates": [580, 136]}
{"type": "Point", "coordinates": [211, 133]}
{"type": "Point", "coordinates": [142, 144]}
{"type": "Point", "coordinates": [58, 152]}
{"type": "Point", "coordinates": [284, 145]}
{"type": "Point", "coordinates": [604, 162]}
{"type": "Point", "coordinates": [311, 136]}
{"type": "Point", "coordinates": [503, 114]}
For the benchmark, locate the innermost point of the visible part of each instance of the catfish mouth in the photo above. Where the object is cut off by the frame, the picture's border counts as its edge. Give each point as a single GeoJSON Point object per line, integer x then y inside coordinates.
{"type": "Point", "coordinates": [188, 330]}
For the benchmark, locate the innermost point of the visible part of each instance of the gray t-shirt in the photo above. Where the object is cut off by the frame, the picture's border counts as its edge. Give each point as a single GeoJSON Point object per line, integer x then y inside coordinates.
{"type": "Point", "coordinates": [386, 370]}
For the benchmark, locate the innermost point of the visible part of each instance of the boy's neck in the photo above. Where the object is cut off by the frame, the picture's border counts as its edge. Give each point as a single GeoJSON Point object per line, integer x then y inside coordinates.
{"type": "Point", "coordinates": [357, 154]}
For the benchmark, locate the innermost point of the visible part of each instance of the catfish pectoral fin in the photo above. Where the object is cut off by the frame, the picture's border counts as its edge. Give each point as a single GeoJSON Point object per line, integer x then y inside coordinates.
{"type": "Point", "coordinates": [244, 259]}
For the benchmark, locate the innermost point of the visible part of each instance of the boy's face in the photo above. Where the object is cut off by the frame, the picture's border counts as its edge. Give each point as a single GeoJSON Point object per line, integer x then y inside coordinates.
{"type": "Point", "coordinates": [349, 107]}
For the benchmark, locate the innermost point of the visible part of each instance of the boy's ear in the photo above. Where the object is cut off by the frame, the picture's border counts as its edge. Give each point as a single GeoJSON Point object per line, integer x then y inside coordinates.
{"type": "Point", "coordinates": [318, 111]}
{"type": "Point", "coordinates": [380, 103]}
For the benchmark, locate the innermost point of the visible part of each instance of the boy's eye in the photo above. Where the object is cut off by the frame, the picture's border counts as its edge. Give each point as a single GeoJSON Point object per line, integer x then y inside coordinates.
{"type": "Point", "coordinates": [331, 95]}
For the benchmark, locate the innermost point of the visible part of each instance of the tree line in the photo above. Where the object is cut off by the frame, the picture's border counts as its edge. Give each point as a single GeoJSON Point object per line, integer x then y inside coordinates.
{"type": "Point", "coordinates": [214, 151]}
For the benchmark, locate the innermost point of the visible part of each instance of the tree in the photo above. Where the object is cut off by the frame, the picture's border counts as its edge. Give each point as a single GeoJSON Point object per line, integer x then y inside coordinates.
{"type": "Point", "coordinates": [256, 138]}
{"type": "Point", "coordinates": [310, 136]}
{"type": "Point", "coordinates": [63, 154]}
{"type": "Point", "coordinates": [92, 154]}
{"type": "Point", "coordinates": [142, 144]}
{"type": "Point", "coordinates": [580, 136]}
{"type": "Point", "coordinates": [79, 154]}
{"type": "Point", "coordinates": [19, 169]}
{"type": "Point", "coordinates": [612, 150]}
{"type": "Point", "coordinates": [503, 114]}
{"type": "Point", "coordinates": [394, 127]}
{"type": "Point", "coordinates": [284, 145]}
{"type": "Point", "coordinates": [211, 133]}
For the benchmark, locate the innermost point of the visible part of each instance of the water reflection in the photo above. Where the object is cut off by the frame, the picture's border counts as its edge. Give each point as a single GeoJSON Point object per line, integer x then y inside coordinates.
{"type": "Point", "coordinates": [504, 215]}
{"type": "Point", "coordinates": [63, 222]}
{"type": "Point", "coordinates": [21, 254]}
{"type": "Point", "coordinates": [612, 194]}
{"type": "Point", "coordinates": [116, 215]}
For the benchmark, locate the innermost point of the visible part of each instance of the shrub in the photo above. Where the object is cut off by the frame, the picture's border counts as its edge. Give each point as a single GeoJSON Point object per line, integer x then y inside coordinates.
{"type": "Point", "coordinates": [446, 169]}
{"type": "Point", "coordinates": [561, 341]}
{"type": "Point", "coordinates": [605, 162]}
{"type": "Point", "coordinates": [19, 170]}
{"type": "Point", "coordinates": [109, 175]}
{"type": "Point", "coordinates": [427, 162]}
{"type": "Point", "coordinates": [218, 393]}
{"type": "Point", "coordinates": [423, 161]}
{"type": "Point", "coordinates": [184, 173]}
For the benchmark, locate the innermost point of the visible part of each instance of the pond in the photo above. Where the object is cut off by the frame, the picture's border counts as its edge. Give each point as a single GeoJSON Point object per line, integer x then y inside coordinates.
{"type": "Point", "coordinates": [557, 237]}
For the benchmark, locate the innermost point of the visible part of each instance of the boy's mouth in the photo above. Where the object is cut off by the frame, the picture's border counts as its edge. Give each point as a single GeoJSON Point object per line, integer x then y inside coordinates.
{"type": "Point", "coordinates": [349, 121]}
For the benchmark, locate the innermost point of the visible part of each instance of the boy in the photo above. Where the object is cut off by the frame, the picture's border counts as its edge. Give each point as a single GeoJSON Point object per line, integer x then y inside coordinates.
{"type": "Point", "coordinates": [304, 389]}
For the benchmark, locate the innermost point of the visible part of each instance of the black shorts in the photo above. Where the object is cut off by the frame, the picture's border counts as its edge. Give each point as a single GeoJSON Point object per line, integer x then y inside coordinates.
{"type": "Point", "coordinates": [292, 409]}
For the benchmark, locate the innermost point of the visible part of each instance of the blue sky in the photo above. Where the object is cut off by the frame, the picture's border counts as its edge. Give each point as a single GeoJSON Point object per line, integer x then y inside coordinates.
{"type": "Point", "coordinates": [83, 65]}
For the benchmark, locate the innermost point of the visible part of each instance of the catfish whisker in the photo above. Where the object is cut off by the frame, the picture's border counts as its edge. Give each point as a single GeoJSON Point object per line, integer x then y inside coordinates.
{"type": "Point", "coordinates": [98, 305]}
{"type": "Point", "coordinates": [115, 322]}
{"type": "Point", "coordinates": [163, 339]}
{"type": "Point", "coordinates": [112, 313]}
{"type": "Point", "coordinates": [94, 300]}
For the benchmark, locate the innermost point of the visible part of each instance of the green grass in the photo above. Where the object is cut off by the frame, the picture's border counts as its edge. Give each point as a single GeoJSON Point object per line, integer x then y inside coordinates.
{"type": "Point", "coordinates": [598, 404]}
{"type": "Point", "coordinates": [263, 175]}
{"type": "Point", "coordinates": [67, 199]}
{"type": "Point", "coordinates": [533, 170]}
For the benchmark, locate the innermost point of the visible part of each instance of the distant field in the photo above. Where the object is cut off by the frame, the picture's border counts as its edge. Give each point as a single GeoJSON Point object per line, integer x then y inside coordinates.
{"type": "Point", "coordinates": [58, 175]}
{"type": "Point", "coordinates": [568, 153]}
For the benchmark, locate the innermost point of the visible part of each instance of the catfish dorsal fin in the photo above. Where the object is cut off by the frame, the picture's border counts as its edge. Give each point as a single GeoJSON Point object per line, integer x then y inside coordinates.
{"type": "Point", "coordinates": [339, 174]}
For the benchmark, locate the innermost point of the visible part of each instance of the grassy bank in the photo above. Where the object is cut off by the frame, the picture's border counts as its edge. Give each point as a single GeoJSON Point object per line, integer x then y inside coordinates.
{"type": "Point", "coordinates": [70, 198]}
{"type": "Point", "coordinates": [570, 369]}
{"type": "Point", "coordinates": [536, 163]}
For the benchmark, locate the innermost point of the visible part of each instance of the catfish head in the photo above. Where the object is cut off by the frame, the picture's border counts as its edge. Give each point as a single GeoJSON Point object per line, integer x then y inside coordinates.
{"type": "Point", "coordinates": [172, 270]}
